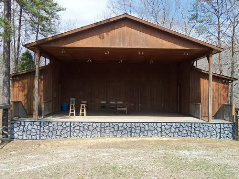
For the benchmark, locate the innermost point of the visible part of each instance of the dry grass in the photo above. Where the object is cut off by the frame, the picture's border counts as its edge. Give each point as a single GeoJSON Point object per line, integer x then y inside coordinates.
{"type": "Point", "coordinates": [120, 158]}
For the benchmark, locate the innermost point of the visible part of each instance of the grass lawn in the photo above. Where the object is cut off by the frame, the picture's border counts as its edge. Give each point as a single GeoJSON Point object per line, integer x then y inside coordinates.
{"type": "Point", "coordinates": [120, 158]}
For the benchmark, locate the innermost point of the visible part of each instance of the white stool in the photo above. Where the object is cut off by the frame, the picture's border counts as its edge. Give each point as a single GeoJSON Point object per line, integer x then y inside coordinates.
{"type": "Point", "coordinates": [83, 110]}
{"type": "Point", "coordinates": [72, 106]}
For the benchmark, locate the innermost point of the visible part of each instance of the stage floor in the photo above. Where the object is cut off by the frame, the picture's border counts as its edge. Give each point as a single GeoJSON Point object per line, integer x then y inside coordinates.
{"type": "Point", "coordinates": [137, 117]}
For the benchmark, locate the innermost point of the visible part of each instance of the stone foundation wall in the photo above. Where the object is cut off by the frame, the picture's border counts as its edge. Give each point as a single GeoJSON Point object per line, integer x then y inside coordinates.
{"type": "Point", "coordinates": [54, 130]}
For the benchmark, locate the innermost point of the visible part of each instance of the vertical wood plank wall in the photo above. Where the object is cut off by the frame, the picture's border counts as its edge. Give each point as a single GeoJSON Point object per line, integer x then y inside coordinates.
{"type": "Point", "coordinates": [23, 89]}
{"type": "Point", "coordinates": [199, 92]}
{"type": "Point", "coordinates": [144, 87]}
{"type": "Point", "coordinates": [55, 93]}
{"type": "Point", "coordinates": [184, 87]}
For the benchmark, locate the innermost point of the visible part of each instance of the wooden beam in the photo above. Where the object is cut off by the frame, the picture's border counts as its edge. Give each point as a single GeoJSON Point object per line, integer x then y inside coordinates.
{"type": "Point", "coordinates": [38, 56]}
{"type": "Point", "coordinates": [210, 61]}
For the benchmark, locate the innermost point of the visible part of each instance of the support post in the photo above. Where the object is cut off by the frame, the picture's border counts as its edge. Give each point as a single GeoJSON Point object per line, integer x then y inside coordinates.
{"type": "Point", "coordinates": [38, 56]}
{"type": "Point", "coordinates": [210, 61]}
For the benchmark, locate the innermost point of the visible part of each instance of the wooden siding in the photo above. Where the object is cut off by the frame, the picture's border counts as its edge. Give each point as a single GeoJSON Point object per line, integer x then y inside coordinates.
{"type": "Point", "coordinates": [23, 89]}
{"type": "Point", "coordinates": [124, 39]}
{"type": "Point", "coordinates": [125, 33]}
{"type": "Point", "coordinates": [184, 87]}
{"type": "Point", "coordinates": [199, 92]}
{"type": "Point", "coordinates": [111, 22]}
{"type": "Point", "coordinates": [56, 91]}
{"type": "Point", "coordinates": [144, 87]}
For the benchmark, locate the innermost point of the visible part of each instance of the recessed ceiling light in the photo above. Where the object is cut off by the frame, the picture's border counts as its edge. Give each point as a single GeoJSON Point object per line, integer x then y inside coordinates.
{"type": "Point", "coordinates": [185, 53]}
{"type": "Point", "coordinates": [63, 50]}
{"type": "Point", "coordinates": [141, 53]}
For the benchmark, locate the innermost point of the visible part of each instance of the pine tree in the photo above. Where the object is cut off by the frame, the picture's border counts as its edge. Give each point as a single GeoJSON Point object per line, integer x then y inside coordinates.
{"type": "Point", "coordinates": [40, 19]}
{"type": "Point", "coordinates": [26, 61]}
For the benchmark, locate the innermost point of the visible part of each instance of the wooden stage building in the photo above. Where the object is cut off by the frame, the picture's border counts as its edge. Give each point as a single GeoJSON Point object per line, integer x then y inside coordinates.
{"type": "Point", "coordinates": [147, 67]}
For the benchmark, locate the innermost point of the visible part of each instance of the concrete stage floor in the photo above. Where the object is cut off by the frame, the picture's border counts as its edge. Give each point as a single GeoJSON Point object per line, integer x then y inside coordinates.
{"type": "Point", "coordinates": [121, 117]}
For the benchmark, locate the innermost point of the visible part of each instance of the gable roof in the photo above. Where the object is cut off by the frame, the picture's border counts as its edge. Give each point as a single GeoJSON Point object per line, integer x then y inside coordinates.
{"type": "Point", "coordinates": [35, 44]}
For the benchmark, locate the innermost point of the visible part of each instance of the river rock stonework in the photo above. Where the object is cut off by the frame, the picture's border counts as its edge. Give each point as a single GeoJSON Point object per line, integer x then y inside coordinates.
{"type": "Point", "coordinates": [115, 129]}
{"type": "Point", "coordinates": [25, 130]}
{"type": "Point", "coordinates": [85, 130]}
{"type": "Point", "coordinates": [54, 130]}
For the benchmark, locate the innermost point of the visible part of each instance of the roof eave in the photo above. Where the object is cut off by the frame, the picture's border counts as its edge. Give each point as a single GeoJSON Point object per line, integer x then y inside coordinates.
{"type": "Point", "coordinates": [215, 74]}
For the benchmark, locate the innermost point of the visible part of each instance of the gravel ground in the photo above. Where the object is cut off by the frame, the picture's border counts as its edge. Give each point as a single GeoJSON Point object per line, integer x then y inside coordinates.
{"type": "Point", "coordinates": [120, 158]}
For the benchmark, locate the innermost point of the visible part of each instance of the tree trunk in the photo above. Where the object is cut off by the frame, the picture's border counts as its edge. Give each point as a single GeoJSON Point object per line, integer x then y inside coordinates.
{"type": "Point", "coordinates": [38, 57]}
{"type": "Point", "coordinates": [6, 94]}
{"type": "Point", "coordinates": [220, 54]}
{"type": "Point", "coordinates": [6, 54]}
{"type": "Point", "coordinates": [232, 61]}
{"type": "Point", "coordinates": [18, 39]}
{"type": "Point", "coordinates": [38, 29]}
{"type": "Point", "coordinates": [36, 38]}
{"type": "Point", "coordinates": [13, 16]}
{"type": "Point", "coordinates": [219, 35]}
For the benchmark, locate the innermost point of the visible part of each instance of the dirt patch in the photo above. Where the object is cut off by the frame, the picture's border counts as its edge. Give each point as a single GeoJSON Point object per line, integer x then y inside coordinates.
{"type": "Point", "coordinates": [120, 158]}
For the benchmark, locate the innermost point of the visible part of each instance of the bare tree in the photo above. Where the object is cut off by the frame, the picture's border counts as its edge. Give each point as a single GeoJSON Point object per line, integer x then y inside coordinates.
{"type": "Point", "coordinates": [211, 22]}
{"type": "Point", "coordinates": [16, 15]}
{"type": "Point", "coordinates": [188, 27]}
{"type": "Point", "coordinates": [233, 16]}
{"type": "Point", "coordinates": [222, 26]}
{"type": "Point", "coordinates": [157, 11]}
